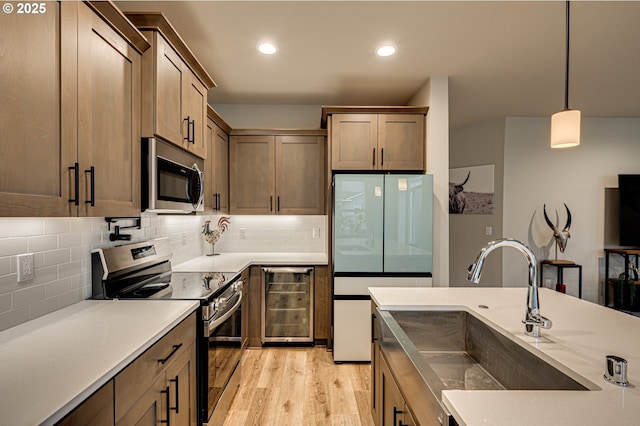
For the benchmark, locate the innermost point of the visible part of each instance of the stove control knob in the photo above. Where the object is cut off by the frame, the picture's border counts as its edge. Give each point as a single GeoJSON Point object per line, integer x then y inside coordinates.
{"type": "Point", "coordinates": [219, 303]}
{"type": "Point", "coordinates": [237, 286]}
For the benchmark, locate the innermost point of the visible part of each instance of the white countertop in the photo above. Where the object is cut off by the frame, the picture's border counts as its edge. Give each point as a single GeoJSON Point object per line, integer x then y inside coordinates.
{"type": "Point", "coordinates": [236, 262]}
{"type": "Point", "coordinates": [582, 335]}
{"type": "Point", "coordinates": [51, 364]}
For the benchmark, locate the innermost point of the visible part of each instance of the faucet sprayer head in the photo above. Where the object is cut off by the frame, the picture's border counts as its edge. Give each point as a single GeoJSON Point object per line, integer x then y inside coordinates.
{"type": "Point", "coordinates": [473, 273]}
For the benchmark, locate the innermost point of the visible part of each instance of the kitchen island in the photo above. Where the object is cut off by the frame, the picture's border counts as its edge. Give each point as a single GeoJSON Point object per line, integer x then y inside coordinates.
{"type": "Point", "coordinates": [51, 364]}
{"type": "Point", "coordinates": [583, 334]}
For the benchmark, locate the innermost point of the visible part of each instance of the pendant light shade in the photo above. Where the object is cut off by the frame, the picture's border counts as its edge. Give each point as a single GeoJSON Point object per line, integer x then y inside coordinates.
{"type": "Point", "coordinates": [565, 129]}
{"type": "Point", "coordinates": [565, 125]}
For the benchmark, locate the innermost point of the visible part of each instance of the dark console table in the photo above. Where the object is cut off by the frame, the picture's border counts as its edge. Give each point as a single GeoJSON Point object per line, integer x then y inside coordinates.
{"type": "Point", "coordinates": [560, 266]}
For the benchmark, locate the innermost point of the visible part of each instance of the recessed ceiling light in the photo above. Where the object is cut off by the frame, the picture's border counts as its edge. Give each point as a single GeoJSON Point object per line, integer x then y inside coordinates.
{"type": "Point", "coordinates": [268, 48]}
{"type": "Point", "coordinates": [386, 50]}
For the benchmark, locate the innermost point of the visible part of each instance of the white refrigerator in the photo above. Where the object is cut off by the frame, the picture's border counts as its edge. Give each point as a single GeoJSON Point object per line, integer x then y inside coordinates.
{"type": "Point", "coordinates": [382, 237]}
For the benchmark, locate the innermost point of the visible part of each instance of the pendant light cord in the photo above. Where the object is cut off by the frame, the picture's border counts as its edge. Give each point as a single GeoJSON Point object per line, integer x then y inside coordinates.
{"type": "Point", "coordinates": [566, 78]}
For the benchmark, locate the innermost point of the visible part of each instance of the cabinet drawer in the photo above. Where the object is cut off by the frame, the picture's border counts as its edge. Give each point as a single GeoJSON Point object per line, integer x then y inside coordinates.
{"type": "Point", "coordinates": [139, 376]}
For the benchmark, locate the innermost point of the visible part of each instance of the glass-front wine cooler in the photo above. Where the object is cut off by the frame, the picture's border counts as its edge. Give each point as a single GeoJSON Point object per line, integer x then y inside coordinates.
{"type": "Point", "coordinates": [287, 305]}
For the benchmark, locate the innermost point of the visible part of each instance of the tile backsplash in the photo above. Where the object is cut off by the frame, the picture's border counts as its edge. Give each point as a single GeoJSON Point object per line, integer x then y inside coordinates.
{"type": "Point", "coordinates": [61, 250]}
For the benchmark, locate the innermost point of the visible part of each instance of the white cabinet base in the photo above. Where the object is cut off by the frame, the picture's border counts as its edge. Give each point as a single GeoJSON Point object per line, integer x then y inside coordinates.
{"type": "Point", "coordinates": [351, 330]}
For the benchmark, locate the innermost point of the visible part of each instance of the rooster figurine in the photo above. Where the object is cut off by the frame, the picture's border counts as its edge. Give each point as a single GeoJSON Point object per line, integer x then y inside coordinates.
{"type": "Point", "coordinates": [213, 235]}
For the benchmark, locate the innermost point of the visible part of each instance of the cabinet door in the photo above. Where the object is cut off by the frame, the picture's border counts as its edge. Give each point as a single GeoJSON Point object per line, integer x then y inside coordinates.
{"type": "Point", "coordinates": [108, 119]}
{"type": "Point", "coordinates": [181, 380]}
{"type": "Point", "coordinates": [322, 305]}
{"type": "Point", "coordinates": [37, 142]}
{"type": "Point", "coordinates": [252, 175]}
{"type": "Point", "coordinates": [401, 141]}
{"type": "Point", "coordinates": [393, 405]}
{"type": "Point", "coordinates": [152, 409]}
{"type": "Point", "coordinates": [300, 175]}
{"type": "Point", "coordinates": [354, 141]}
{"type": "Point", "coordinates": [221, 168]}
{"type": "Point", "coordinates": [195, 115]}
{"type": "Point", "coordinates": [170, 83]}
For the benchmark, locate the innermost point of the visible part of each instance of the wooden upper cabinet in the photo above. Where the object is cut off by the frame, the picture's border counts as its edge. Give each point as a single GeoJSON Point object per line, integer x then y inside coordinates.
{"type": "Point", "coordinates": [174, 89]}
{"type": "Point", "coordinates": [70, 101]}
{"type": "Point", "coordinates": [376, 138]}
{"type": "Point", "coordinates": [108, 119]}
{"type": "Point", "coordinates": [169, 85]}
{"type": "Point", "coordinates": [252, 174]}
{"type": "Point", "coordinates": [277, 174]}
{"type": "Point", "coordinates": [299, 174]}
{"type": "Point", "coordinates": [401, 141]}
{"type": "Point", "coordinates": [217, 165]}
{"type": "Point", "coordinates": [195, 139]}
{"type": "Point", "coordinates": [354, 141]}
{"type": "Point", "coordinates": [34, 177]}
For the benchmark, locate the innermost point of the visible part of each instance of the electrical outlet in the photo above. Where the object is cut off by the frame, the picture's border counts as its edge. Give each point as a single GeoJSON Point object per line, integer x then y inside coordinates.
{"type": "Point", "coordinates": [184, 238]}
{"type": "Point", "coordinates": [315, 232]}
{"type": "Point", "coordinates": [25, 267]}
{"type": "Point", "coordinates": [243, 233]}
{"type": "Point", "coordinates": [488, 231]}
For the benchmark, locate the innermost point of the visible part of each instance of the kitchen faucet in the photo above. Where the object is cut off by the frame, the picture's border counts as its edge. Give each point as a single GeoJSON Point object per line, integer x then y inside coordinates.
{"type": "Point", "coordinates": [532, 318]}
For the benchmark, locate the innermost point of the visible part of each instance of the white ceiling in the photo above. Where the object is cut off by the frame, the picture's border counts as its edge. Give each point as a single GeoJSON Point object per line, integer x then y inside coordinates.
{"type": "Point", "coordinates": [502, 58]}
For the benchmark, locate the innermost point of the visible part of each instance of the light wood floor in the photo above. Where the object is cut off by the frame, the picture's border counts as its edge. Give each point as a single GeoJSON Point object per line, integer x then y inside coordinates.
{"type": "Point", "coordinates": [300, 386]}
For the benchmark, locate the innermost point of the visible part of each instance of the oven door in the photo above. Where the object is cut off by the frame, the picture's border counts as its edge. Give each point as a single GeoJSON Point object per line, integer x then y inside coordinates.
{"type": "Point", "coordinates": [224, 350]}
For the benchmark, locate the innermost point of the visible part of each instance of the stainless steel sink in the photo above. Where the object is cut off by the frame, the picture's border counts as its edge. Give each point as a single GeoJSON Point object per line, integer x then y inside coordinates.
{"type": "Point", "coordinates": [432, 351]}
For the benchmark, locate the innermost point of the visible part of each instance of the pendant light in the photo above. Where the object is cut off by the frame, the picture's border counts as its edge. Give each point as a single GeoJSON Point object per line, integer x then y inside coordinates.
{"type": "Point", "coordinates": [565, 125]}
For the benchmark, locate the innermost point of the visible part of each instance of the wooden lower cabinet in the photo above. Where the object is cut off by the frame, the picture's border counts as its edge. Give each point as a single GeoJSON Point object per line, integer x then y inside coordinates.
{"type": "Point", "coordinates": [394, 409]}
{"type": "Point", "coordinates": [97, 410]}
{"type": "Point", "coordinates": [322, 306]}
{"type": "Point", "coordinates": [160, 385]}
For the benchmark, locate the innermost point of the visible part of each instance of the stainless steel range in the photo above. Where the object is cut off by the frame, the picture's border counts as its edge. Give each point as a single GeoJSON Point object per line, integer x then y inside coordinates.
{"type": "Point", "coordinates": [143, 271]}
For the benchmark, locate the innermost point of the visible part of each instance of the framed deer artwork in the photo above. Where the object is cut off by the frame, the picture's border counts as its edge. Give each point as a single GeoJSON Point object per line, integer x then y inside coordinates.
{"type": "Point", "coordinates": [471, 190]}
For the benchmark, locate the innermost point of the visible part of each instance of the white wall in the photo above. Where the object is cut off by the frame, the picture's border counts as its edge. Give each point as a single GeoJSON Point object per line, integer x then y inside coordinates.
{"type": "Point", "coordinates": [435, 94]}
{"type": "Point", "coordinates": [475, 145]}
{"type": "Point", "coordinates": [535, 174]}
{"type": "Point", "coordinates": [270, 116]}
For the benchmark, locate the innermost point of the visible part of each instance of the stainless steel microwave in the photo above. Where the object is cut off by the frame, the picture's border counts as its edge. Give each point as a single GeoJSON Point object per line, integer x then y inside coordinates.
{"type": "Point", "coordinates": [169, 183]}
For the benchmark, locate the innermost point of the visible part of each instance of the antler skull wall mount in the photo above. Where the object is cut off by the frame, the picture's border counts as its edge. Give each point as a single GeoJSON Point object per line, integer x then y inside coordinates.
{"type": "Point", "coordinates": [561, 236]}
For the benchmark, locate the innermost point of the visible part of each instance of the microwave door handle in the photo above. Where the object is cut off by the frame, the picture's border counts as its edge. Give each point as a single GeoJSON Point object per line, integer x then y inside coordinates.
{"type": "Point", "coordinates": [216, 322]}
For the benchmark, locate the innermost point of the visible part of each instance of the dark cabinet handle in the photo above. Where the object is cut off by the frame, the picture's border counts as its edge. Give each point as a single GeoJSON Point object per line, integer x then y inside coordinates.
{"type": "Point", "coordinates": [396, 421]}
{"type": "Point", "coordinates": [167, 409]}
{"type": "Point", "coordinates": [218, 201]}
{"type": "Point", "coordinates": [382, 156]}
{"type": "Point", "coordinates": [92, 199]}
{"type": "Point", "coordinates": [373, 163]}
{"type": "Point", "coordinates": [278, 203]}
{"type": "Point", "coordinates": [271, 203]}
{"type": "Point", "coordinates": [191, 129]}
{"type": "Point", "coordinates": [373, 328]}
{"type": "Point", "coordinates": [76, 168]}
{"type": "Point", "coordinates": [173, 351]}
{"type": "Point", "coordinates": [177, 407]}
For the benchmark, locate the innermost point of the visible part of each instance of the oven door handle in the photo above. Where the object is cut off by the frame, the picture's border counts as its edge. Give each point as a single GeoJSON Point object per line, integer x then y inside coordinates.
{"type": "Point", "coordinates": [216, 322]}
{"type": "Point", "coordinates": [288, 270]}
